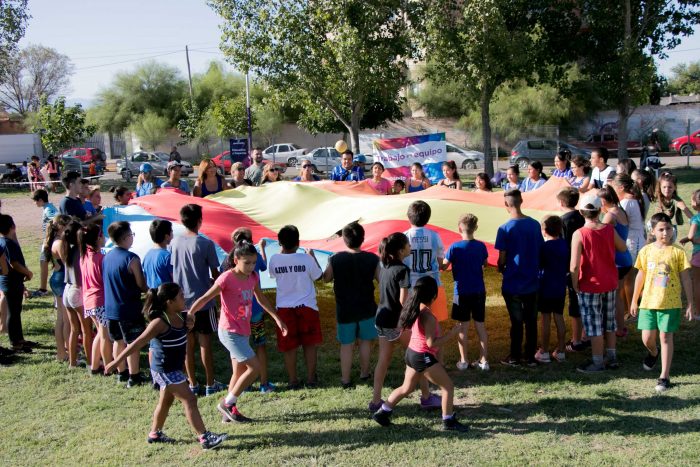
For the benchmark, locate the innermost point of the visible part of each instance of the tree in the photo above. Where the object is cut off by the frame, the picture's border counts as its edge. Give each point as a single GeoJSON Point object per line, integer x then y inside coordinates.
{"type": "Point", "coordinates": [197, 127]}
{"type": "Point", "coordinates": [230, 117]}
{"type": "Point", "coordinates": [483, 44]}
{"type": "Point", "coordinates": [151, 87]}
{"type": "Point", "coordinates": [268, 121]}
{"type": "Point", "coordinates": [151, 128]}
{"type": "Point", "coordinates": [620, 42]}
{"type": "Point", "coordinates": [685, 79]}
{"type": "Point", "coordinates": [13, 22]}
{"type": "Point", "coordinates": [61, 127]}
{"type": "Point", "coordinates": [36, 71]}
{"type": "Point", "coordinates": [331, 59]}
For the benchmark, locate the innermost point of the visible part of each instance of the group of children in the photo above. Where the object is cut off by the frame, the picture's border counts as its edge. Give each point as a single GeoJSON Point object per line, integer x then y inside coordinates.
{"type": "Point", "coordinates": [573, 254]}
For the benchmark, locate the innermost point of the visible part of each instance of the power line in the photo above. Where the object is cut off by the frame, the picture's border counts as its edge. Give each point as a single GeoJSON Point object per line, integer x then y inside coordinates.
{"type": "Point", "coordinates": [127, 61]}
{"type": "Point", "coordinates": [117, 53]}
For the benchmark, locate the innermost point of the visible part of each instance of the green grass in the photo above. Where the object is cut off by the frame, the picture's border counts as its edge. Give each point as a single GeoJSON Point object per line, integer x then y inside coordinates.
{"type": "Point", "coordinates": [548, 415]}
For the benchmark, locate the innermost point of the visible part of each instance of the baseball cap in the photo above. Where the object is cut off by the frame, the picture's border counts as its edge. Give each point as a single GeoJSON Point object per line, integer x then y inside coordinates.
{"type": "Point", "coordinates": [590, 202]}
{"type": "Point", "coordinates": [146, 167]}
{"type": "Point", "coordinates": [172, 164]}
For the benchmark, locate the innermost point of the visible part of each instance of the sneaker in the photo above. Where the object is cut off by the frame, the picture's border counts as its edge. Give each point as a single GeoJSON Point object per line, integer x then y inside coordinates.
{"type": "Point", "coordinates": [663, 384]}
{"type": "Point", "coordinates": [348, 385]}
{"type": "Point", "coordinates": [159, 437]}
{"type": "Point", "coordinates": [432, 402]}
{"type": "Point", "coordinates": [267, 387]}
{"type": "Point", "coordinates": [382, 417]}
{"type": "Point", "coordinates": [531, 363]}
{"type": "Point", "coordinates": [214, 388]}
{"type": "Point", "coordinates": [239, 417]}
{"type": "Point", "coordinates": [374, 407]}
{"type": "Point", "coordinates": [461, 366]}
{"type": "Point", "coordinates": [367, 379]}
{"type": "Point", "coordinates": [295, 386]}
{"type": "Point", "coordinates": [210, 440]}
{"type": "Point", "coordinates": [542, 357]}
{"type": "Point", "coordinates": [195, 389]}
{"type": "Point", "coordinates": [510, 361]}
{"type": "Point", "coordinates": [225, 410]}
{"type": "Point", "coordinates": [558, 356]}
{"type": "Point", "coordinates": [612, 364]}
{"type": "Point", "coordinates": [123, 377]}
{"type": "Point", "coordinates": [452, 424]}
{"type": "Point", "coordinates": [571, 347]}
{"type": "Point", "coordinates": [483, 366]}
{"type": "Point", "coordinates": [134, 380]}
{"type": "Point", "coordinates": [39, 293]}
{"type": "Point", "coordinates": [590, 367]}
{"type": "Point", "coordinates": [650, 361]}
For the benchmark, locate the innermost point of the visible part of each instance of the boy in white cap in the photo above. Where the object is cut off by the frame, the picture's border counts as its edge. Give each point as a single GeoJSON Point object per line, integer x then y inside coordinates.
{"type": "Point", "coordinates": [594, 278]}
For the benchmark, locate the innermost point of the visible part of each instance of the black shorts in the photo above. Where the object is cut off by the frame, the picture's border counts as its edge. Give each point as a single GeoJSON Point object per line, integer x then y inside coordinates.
{"type": "Point", "coordinates": [53, 176]}
{"type": "Point", "coordinates": [574, 310]}
{"type": "Point", "coordinates": [206, 321]}
{"type": "Point", "coordinates": [469, 306]}
{"type": "Point", "coordinates": [420, 361]}
{"type": "Point", "coordinates": [622, 272]}
{"type": "Point", "coordinates": [551, 304]}
{"type": "Point", "coordinates": [126, 330]}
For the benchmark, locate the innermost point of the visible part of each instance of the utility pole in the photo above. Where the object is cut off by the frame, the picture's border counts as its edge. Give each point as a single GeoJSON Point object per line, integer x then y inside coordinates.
{"type": "Point", "coordinates": [189, 74]}
{"type": "Point", "coordinates": [247, 107]}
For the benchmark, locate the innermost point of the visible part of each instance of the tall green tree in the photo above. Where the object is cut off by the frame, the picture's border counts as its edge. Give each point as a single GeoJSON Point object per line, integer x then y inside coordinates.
{"type": "Point", "coordinates": [337, 60]}
{"type": "Point", "coordinates": [620, 42]}
{"type": "Point", "coordinates": [61, 127]}
{"type": "Point", "coordinates": [151, 128]}
{"type": "Point", "coordinates": [13, 23]}
{"type": "Point", "coordinates": [482, 44]}
{"type": "Point", "coordinates": [230, 117]}
{"type": "Point", "coordinates": [685, 79]}
{"type": "Point", "coordinates": [153, 86]}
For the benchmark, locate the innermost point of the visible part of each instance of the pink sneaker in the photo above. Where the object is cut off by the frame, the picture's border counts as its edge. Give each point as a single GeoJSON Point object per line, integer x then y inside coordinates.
{"type": "Point", "coordinates": [432, 402]}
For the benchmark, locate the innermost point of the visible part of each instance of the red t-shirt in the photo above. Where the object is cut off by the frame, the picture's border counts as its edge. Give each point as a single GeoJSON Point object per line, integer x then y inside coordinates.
{"type": "Point", "coordinates": [236, 302]}
{"type": "Point", "coordinates": [598, 273]}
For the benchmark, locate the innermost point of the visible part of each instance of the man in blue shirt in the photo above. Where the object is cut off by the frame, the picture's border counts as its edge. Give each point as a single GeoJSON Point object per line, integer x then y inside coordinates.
{"type": "Point", "coordinates": [345, 172]}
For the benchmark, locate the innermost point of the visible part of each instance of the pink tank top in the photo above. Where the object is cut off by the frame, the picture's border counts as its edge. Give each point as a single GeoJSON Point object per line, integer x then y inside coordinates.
{"type": "Point", "coordinates": [598, 272]}
{"type": "Point", "coordinates": [417, 342]}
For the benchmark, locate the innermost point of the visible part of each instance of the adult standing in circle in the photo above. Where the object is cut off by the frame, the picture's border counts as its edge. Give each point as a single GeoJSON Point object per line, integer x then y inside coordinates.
{"type": "Point", "coordinates": [238, 176]}
{"type": "Point", "coordinates": [307, 173]}
{"type": "Point", "coordinates": [254, 172]}
{"type": "Point", "coordinates": [601, 169]}
{"type": "Point", "coordinates": [208, 180]}
{"type": "Point", "coordinates": [174, 169]}
{"type": "Point", "coordinates": [147, 183]}
{"type": "Point", "coordinates": [270, 174]}
{"type": "Point", "coordinates": [346, 172]}
{"type": "Point", "coordinates": [174, 155]}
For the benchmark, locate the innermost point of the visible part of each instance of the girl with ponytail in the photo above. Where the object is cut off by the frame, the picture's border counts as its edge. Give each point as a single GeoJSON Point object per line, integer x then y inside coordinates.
{"type": "Point", "coordinates": [167, 333]}
{"type": "Point", "coordinates": [52, 249]}
{"type": "Point", "coordinates": [91, 240]}
{"type": "Point", "coordinates": [421, 355]}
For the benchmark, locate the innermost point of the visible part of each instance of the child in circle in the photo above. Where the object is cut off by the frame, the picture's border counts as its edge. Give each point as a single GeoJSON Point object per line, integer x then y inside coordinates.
{"type": "Point", "coordinates": [378, 183]}
{"type": "Point", "coordinates": [167, 332]}
{"type": "Point", "coordinates": [237, 287]}
{"type": "Point", "coordinates": [482, 183]}
{"type": "Point", "coordinates": [418, 181]}
{"type": "Point", "coordinates": [662, 265]}
{"type": "Point", "coordinates": [694, 239]}
{"type": "Point", "coordinates": [451, 180]}
{"type": "Point", "coordinates": [512, 181]}
{"type": "Point", "coordinates": [668, 201]}
{"type": "Point", "coordinates": [535, 177]}
{"type": "Point", "coordinates": [398, 187]}
{"type": "Point", "coordinates": [468, 258]}
{"type": "Point", "coordinates": [52, 249]}
{"type": "Point", "coordinates": [421, 355]}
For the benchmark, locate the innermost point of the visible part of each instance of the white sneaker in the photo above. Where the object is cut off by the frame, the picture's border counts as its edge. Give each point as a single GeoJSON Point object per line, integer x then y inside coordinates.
{"type": "Point", "coordinates": [461, 366]}
{"type": "Point", "coordinates": [559, 356]}
{"type": "Point", "coordinates": [542, 357]}
{"type": "Point", "coordinates": [483, 366]}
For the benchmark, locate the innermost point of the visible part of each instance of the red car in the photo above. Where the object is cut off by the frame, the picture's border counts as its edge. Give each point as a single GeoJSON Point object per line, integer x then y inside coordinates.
{"type": "Point", "coordinates": [684, 148]}
{"type": "Point", "coordinates": [86, 155]}
{"type": "Point", "coordinates": [223, 161]}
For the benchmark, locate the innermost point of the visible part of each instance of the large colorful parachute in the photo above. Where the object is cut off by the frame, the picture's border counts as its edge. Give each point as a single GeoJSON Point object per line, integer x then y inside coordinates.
{"type": "Point", "coordinates": [320, 210]}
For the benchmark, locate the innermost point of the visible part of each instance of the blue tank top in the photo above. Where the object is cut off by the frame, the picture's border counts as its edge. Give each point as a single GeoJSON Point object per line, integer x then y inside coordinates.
{"type": "Point", "coordinates": [623, 259]}
{"type": "Point", "coordinates": [122, 295]}
{"type": "Point", "coordinates": [205, 190]}
{"type": "Point", "coordinates": [168, 349]}
{"type": "Point", "coordinates": [413, 189]}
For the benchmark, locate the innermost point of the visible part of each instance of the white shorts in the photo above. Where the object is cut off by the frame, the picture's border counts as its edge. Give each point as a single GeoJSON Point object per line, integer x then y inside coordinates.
{"type": "Point", "coordinates": [72, 296]}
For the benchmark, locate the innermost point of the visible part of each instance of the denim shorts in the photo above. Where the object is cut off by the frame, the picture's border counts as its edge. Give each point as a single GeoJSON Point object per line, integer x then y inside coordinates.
{"type": "Point", "coordinates": [57, 282]}
{"type": "Point", "coordinates": [238, 345]}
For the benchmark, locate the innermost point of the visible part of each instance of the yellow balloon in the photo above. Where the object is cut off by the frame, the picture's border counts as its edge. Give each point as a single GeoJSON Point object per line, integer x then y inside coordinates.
{"type": "Point", "coordinates": [340, 146]}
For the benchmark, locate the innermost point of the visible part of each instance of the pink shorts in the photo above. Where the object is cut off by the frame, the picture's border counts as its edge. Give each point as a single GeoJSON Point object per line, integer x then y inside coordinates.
{"type": "Point", "coordinates": [695, 260]}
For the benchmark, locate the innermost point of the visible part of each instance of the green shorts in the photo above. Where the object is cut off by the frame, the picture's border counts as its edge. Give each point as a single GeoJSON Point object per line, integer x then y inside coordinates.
{"type": "Point", "coordinates": [364, 330]}
{"type": "Point", "coordinates": [662, 320]}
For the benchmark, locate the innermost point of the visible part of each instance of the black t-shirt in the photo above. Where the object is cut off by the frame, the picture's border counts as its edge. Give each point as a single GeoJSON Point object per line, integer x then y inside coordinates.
{"type": "Point", "coordinates": [72, 207]}
{"type": "Point", "coordinates": [353, 284]}
{"type": "Point", "coordinates": [392, 279]}
{"type": "Point", "coordinates": [571, 222]}
{"type": "Point", "coordinates": [14, 253]}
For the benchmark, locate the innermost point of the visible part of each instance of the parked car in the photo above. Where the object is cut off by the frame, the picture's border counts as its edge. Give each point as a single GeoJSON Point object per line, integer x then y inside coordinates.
{"type": "Point", "coordinates": [684, 147]}
{"type": "Point", "coordinates": [609, 141]}
{"type": "Point", "coordinates": [223, 162]}
{"type": "Point", "coordinates": [128, 166]}
{"type": "Point", "coordinates": [464, 158]}
{"type": "Point", "coordinates": [286, 153]}
{"type": "Point", "coordinates": [543, 150]}
{"type": "Point", "coordinates": [86, 155]}
{"type": "Point", "coordinates": [324, 159]}
{"type": "Point", "coordinates": [73, 164]}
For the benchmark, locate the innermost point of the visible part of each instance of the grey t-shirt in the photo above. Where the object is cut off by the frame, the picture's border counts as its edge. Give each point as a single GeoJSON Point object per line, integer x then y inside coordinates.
{"type": "Point", "coordinates": [254, 174]}
{"type": "Point", "coordinates": [192, 259]}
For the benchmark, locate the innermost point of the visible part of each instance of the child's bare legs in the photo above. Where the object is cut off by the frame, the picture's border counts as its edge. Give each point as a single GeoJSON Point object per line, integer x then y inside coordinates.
{"type": "Point", "coordinates": [620, 307]}
{"type": "Point", "coordinates": [59, 330]}
{"type": "Point", "coordinates": [290, 364]}
{"type": "Point", "coordinates": [649, 341]}
{"type": "Point", "coordinates": [346, 362]}
{"type": "Point", "coordinates": [546, 323]}
{"type": "Point", "coordinates": [365, 352]}
{"type": "Point", "coordinates": [3, 313]}
{"type": "Point", "coordinates": [576, 329]}
{"type": "Point", "coordinates": [261, 353]}
{"type": "Point", "coordinates": [438, 376]}
{"type": "Point", "coordinates": [133, 361]}
{"type": "Point", "coordinates": [161, 413]}
{"type": "Point", "coordinates": [207, 357]}
{"type": "Point", "coordinates": [666, 353]}
{"type": "Point", "coordinates": [411, 378]}
{"type": "Point", "coordinates": [483, 340]}
{"type": "Point", "coordinates": [96, 346]}
{"type": "Point", "coordinates": [386, 349]}
{"type": "Point", "coordinates": [251, 370]}
{"type": "Point", "coordinates": [696, 289]}
{"type": "Point", "coordinates": [73, 337]}
{"type": "Point", "coordinates": [105, 345]}
{"type": "Point", "coordinates": [44, 274]}
{"type": "Point", "coordinates": [310, 356]}
{"type": "Point", "coordinates": [422, 383]}
{"type": "Point", "coordinates": [189, 401]}
{"type": "Point", "coordinates": [86, 328]}
{"type": "Point", "coordinates": [462, 341]}
{"type": "Point", "coordinates": [117, 348]}
{"type": "Point", "coordinates": [561, 332]}
{"type": "Point", "coordinates": [190, 368]}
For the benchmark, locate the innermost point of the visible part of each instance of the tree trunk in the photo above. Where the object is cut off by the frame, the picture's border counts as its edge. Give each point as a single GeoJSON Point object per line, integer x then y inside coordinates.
{"type": "Point", "coordinates": [485, 102]}
{"type": "Point", "coordinates": [355, 132]}
{"type": "Point", "coordinates": [623, 119]}
{"type": "Point", "coordinates": [624, 108]}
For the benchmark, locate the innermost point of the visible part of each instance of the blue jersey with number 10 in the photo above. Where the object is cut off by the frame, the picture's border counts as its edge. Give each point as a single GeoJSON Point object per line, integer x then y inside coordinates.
{"type": "Point", "coordinates": [426, 248]}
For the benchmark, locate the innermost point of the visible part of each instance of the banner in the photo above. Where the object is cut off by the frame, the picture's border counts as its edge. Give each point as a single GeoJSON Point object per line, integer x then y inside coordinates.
{"type": "Point", "coordinates": [239, 150]}
{"type": "Point", "coordinates": [398, 154]}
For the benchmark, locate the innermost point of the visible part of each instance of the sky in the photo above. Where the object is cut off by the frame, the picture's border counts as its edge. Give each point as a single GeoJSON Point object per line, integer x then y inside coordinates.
{"type": "Point", "coordinates": [103, 38]}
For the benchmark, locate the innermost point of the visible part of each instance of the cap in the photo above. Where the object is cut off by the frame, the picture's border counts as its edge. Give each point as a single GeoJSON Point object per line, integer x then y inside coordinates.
{"type": "Point", "coordinates": [172, 164]}
{"type": "Point", "coordinates": [590, 202]}
{"type": "Point", "coordinates": [146, 167]}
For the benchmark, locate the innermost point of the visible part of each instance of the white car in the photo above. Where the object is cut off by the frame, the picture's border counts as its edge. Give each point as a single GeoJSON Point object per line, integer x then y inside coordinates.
{"type": "Point", "coordinates": [464, 158]}
{"type": "Point", "coordinates": [285, 153]}
{"type": "Point", "coordinates": [324, 159]}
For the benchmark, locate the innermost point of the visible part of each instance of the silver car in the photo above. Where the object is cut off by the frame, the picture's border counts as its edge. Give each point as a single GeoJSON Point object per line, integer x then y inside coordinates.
{"type": "Point", "coordinates": [128, 166]}
{"type": "Point", "coordinates": [543, 150]}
